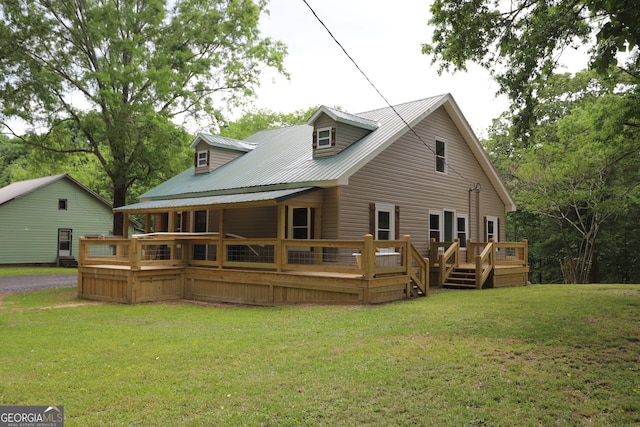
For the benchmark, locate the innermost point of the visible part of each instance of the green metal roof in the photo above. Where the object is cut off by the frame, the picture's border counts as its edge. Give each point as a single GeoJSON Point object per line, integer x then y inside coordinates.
{"type": "Point", "coordinates": [283, 158]}
{"type": "Point", "coordinates": [276, 195]}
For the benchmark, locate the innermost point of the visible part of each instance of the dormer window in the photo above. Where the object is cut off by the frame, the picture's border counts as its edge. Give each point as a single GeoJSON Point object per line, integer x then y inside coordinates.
{"type": "Point", "coordinates": [202, 159]}
{"type": "Point", "coordinates": [324, 137]}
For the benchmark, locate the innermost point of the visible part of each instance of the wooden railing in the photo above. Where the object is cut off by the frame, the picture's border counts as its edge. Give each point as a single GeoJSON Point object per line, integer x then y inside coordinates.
{"type": "Point", "coordinates": [485, 262]}
{"type": "Point", "coordinates": [368, 257]}
{"type": "Point", "coordinates": [418, 268]}
{"type": "Point", "coordinates": [448, 256]}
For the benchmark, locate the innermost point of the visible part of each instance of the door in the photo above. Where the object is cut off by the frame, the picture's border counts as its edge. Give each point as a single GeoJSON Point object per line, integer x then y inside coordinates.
{"type": "Point", "coordinates": [64, 241]}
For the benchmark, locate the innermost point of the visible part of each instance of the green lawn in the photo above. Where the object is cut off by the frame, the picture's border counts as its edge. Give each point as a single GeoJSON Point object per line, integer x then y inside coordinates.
{"type": "Point", "coordinates": [540, 355]}
{"type": "Point", "coordinates": [28, 271]}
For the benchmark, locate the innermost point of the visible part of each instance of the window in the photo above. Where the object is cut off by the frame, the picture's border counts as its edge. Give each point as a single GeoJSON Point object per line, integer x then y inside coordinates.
{"type": "Point", "coordinates": [434, 226]}
{"type": "Point", "coordinates": [441, 152]}
{"type": "Point", "coordinates": [62, 204]}
{"type": "Point", "coordinates": [491, 226]}
{"type": "Point", "coordinates": [202, 159]}
{"type": "Point", "coordinates": [300, 223]}
{"type": "Point", "coordinates": [385, 221]}
{"type": "Point", "coordinates": [324, 137]}
{"type": "Point", "coordinates": [462, 231]}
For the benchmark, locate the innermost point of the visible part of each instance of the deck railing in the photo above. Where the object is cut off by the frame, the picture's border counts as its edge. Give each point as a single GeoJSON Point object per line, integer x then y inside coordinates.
{"type": "Point", "coordinates": [367, 257]}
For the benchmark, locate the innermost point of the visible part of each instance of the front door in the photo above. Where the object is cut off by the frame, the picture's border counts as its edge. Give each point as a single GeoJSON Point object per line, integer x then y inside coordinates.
{"type": "Point", "coordinates": [64, 242]}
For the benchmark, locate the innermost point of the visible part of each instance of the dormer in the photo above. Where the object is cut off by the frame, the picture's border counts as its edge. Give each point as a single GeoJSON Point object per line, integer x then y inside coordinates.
{"type": "Point", "coordinates": [212, 151]}
{"type": "Point", "coordinates": [335, 130]}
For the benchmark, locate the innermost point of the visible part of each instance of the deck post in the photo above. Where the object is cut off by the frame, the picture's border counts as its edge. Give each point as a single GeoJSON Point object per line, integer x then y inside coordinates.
{"type": "Point", "coordinates": [406, 260]}
{"type": "Point", "coordinates": [368, 257]}
{"type": "Point", "coordinates": [134, 254]}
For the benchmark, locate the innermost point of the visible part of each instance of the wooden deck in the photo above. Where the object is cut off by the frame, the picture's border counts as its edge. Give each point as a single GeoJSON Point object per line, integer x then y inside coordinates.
{"type": "Point", "coordinates": [274, 272]}
{"type": "Point", "coordinates": [264, 272]}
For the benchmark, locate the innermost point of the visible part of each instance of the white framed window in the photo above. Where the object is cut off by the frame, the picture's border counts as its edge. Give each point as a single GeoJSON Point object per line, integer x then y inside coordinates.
{"type": "Point", "coordinates": [492, 228]}
{"type": "Point", "coordinates": [461, 229]}
{"type": "Point", "coordinates": [441, 156]}
{"type": "Point", "coordinates": [202, 158]}
{"type": "Point", "coordinates": [435, 225]}
{"type": "Point", "coordinates": [299, 223]}
{"type": "Point", "coordinates": [324, 137]}
{"type": "Point", "coordinates": [385, 221]}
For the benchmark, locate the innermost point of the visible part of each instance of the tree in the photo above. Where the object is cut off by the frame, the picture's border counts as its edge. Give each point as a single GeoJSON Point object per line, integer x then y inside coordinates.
{"type": "Point", "coordinates": [579, 169]}
{"type": "Point", "coordinates": [107, 78]}
{"type": "Point", "coordinates": [255, 121]}
{"type": "Point", "coordinates": [520, 41]}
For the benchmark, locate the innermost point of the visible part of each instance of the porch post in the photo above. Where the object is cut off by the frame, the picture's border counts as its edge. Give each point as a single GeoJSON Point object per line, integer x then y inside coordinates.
{"type": "Point", "coordinates": [125, 225]}
{"type": "Point", "coordinates": [221, 236]}
{"type": "Point", "coordinates": [279, 249]}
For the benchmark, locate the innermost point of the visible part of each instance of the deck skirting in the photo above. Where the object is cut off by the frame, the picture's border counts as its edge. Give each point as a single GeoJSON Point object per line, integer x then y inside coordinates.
{"type": "Point", "coordinates": [237, 286]}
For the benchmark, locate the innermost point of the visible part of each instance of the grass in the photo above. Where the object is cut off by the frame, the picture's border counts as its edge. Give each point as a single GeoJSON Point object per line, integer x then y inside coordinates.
{"type": "Point", "coordinates": [29, 271]}
{"type": "Point", "coordinates": [540, 355]}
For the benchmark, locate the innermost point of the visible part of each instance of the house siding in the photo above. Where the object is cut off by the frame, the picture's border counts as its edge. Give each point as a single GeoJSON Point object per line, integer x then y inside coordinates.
{"type": "Point", "coordinates": [405, 175]}
{"type": "Point", "coordinates": [29, 225]}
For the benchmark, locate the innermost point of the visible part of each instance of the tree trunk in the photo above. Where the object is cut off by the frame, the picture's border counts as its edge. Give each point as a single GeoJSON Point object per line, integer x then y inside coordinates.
{"type": "Point", "coordinates": [119, 199]}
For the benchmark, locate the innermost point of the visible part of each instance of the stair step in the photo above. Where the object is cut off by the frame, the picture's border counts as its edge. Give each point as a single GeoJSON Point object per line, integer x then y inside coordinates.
{"type": "Point", "coordinates": [459, 285]}
{"type": "Point", "coordinates": [68, 262]}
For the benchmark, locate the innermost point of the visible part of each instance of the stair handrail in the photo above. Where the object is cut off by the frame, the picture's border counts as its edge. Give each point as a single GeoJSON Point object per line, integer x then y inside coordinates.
{"type": "Point", "coordinates": [487, 256]}
{"type": "Point", "coordinates": [422, 279]}
{"type": "Point", "coordinates": [446, 267]}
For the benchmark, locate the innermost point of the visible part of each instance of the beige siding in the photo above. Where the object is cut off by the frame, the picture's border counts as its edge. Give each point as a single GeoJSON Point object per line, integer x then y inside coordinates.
{"type": "Point", "coordinates": [404, 175]}
{"type": "Point", "coordinates": [252, 222]}
{"type": "Point", "coordinates": [218, 157]}
{"type": "Point", "coordinates": [347, 135]}
{"type": "Point", "coordinates": [330, 215]}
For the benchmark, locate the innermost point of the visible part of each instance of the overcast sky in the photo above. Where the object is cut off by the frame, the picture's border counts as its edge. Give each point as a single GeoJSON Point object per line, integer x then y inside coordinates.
{"type": "Point", "coordinates": [384, 38]}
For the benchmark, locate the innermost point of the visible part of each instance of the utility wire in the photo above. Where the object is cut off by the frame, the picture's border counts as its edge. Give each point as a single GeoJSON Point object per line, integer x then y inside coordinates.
{"type": "Point", "coordinates": [380, 93]}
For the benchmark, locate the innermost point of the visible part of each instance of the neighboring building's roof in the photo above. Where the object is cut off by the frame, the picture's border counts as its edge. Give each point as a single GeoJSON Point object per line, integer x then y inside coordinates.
{"type": "Point", "coordinates": [283, 158]}
{"type": "Point", "coordinates": [222, 142]}
{"type": "Point", "coordinates": [342, 117]}
{"type": "Point", "coordinates": [22, 188]}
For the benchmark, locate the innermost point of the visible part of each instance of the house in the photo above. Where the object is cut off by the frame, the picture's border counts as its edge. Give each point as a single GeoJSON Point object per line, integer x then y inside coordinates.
{"type": "Point", "coordinates": [42, 219]}
{"type": "Point", "coordinates": [413, 172]}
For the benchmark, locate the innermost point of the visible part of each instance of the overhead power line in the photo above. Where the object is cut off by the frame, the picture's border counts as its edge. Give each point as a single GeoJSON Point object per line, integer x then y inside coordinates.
{"type": "Point", "coordinates": [378, 91]}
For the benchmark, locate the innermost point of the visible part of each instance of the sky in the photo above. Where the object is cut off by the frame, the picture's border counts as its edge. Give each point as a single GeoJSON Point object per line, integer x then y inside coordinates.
{"type": "Point", "coordinates": [384, 38]}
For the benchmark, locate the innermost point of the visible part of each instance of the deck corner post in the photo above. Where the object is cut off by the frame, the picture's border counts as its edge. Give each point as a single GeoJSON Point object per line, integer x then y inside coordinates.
{"type": "Point", "coordinates": [134, 254]}
{"type": "Point", "coordinates": [405, 253]}
{"type": "Point", "coordinates": [368, 256]}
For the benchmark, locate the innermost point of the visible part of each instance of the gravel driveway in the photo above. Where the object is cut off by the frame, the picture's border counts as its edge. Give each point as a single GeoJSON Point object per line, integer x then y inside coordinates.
{"type": "Point", "coordinates": [32, 283]}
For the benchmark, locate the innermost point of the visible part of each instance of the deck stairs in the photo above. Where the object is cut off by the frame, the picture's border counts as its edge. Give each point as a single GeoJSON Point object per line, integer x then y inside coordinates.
{"type": "Point", "coordinates": [461, 278]}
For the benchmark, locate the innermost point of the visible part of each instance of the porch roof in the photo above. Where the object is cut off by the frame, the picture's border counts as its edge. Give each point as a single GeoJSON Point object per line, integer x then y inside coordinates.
{"type": "Point", "coordinates": [191, 202]}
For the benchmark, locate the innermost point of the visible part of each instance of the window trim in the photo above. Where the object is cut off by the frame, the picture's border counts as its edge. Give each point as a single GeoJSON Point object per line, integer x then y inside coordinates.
{"type": "Point", "coordinates": [391, 209]}
{"type": "Point", "coordinates": [440, 225]}
{"type": "Point", "coordinates": [443, 157]}
{"type": "Point", "coordinates": [465, 218]}
{"type": "Point", "coordinates": [324, 142]}
{"type": "Point", "coordinates": [290, 226]}
{"type": "Point", "coordinates": [63, 204]}
{"type": "Point", "coordinates": [496, 228]}
{"type": "Point", "coordinates": [202, 159]}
